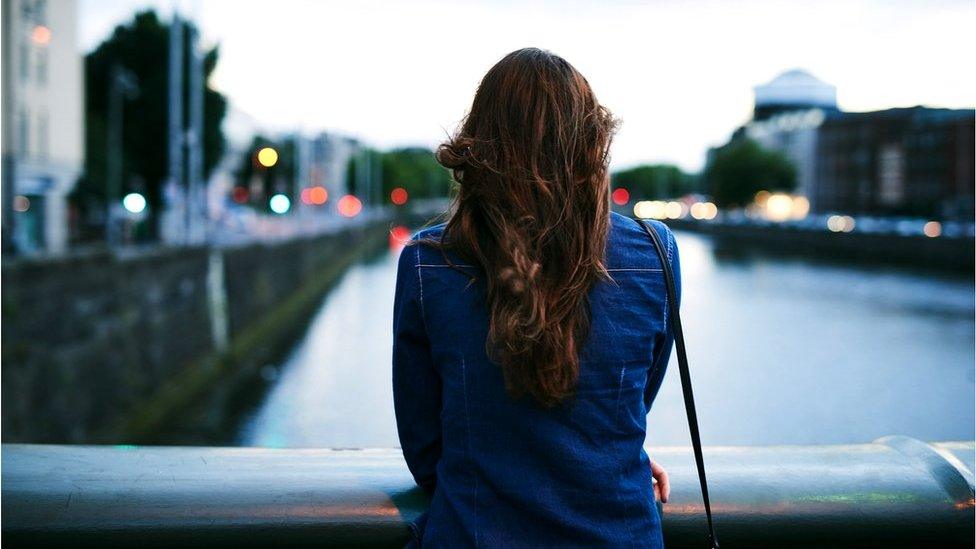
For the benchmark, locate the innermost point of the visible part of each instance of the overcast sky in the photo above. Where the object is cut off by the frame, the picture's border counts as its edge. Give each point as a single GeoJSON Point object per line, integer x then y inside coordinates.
{"type": "Point", "coordinates": [679, 74]}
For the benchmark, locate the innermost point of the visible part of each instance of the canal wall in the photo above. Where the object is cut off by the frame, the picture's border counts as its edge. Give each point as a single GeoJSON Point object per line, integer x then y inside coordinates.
{"type": "Point", "coordinates": [106, 347]}
{"type": "Point", "coordinates": [942, 253]}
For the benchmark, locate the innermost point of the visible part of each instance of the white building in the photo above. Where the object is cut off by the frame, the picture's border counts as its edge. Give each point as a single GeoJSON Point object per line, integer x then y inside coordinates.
{"type": "Point", "coordinates": [43, 134]}
{"type": "Point", "coordinates": [788, 112]}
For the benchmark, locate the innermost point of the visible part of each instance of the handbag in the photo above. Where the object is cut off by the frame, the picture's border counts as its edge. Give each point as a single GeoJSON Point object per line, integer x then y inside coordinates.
{"type": "Point", "coordinates": [679, 343]}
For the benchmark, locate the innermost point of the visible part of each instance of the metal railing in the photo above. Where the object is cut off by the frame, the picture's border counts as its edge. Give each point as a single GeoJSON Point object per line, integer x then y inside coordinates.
{"type": "Point", "coordinates": [894, 492]}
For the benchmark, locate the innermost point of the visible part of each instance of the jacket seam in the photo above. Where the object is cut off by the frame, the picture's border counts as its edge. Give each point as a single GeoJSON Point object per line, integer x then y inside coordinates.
{"type": "Point", "coordinates": [420, 284]}
{"type": "Point", "coordinates": [467, 425]}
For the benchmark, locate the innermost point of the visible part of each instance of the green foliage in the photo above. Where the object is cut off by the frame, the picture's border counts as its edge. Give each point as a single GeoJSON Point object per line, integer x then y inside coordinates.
{"type": "Point", "coordinates": [740, 169]}
{"type": "Point", "coordinates": [413, 168]}
{"type": "Point", "coordinates": [416, 170]}
{"type": "Point", "coordinates": [654, 181]}
{"type": "Point", "coordinates": [142, 48]}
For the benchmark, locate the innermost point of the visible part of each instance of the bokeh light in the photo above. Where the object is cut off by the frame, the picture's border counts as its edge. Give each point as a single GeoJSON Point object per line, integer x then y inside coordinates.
{"type": "Point", "coordinates": [267, 157]}
{"type": "Point", "coordinates": [279, 204]}
{"type": "Point", "coordinates": [399, 236]}
{"type": "Point", "coordinates": [41, 35]}
{"type": "Point", "coordinates": [134, 203]}
{"type": "Point", "coordinates": [621, 196]}
{"type": "Point", "coordinates": [399, 196]}
{"type": "Point", "coordinates": [240, 195]}
{"type": "Point", "coordinates": [21, 203]}
{"type": "Point", "coordinates": [349, 206]}
{"type": "Point", "coordinates": [840, 223]}
{"type": "Point", "coordinates": [779, 207]}
{"type": "Point", "coordinates": [674, 210]}
{"type": "Point", "coordinates": [932, 229]}
{"type": "Point", "coordinates": [318, 195]}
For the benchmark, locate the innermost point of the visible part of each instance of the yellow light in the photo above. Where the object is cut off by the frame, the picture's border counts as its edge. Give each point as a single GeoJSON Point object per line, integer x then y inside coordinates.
{"type": "Point", "coordinates": [698, 210]}
{"type": "Point", "coordinates": [642, 209]}
{"type": "Point", "coordinates": [801, 207]}
{"type": "Point", "coordinates": [711, 210]}
{"type": "Point", "coordinates": [779, 206]}
{"type": "Point", "coordinates": [932, 229]}
{"type": "Point", "coordinates": [653, 209]}
{"type": "Point", "coordinates": [267, 157]}
{"type": "Point", "coordinates": [761, 198]}
{"type": "Point", "coordinates": [673, 210]}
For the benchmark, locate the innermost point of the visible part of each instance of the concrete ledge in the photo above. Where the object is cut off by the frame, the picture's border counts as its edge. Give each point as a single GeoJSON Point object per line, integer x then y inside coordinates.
{"type": "Point", "coordinates": [856, 495]}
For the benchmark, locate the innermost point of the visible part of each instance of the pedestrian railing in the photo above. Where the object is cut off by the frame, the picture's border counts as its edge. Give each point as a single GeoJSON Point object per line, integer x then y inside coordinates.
{"type": "Point", "coordinates": [894, 492]}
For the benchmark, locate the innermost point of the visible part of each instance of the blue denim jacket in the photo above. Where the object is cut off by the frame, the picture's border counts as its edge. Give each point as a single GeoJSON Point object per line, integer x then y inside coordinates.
{"type": "Point", "coordinates": [508, 473]}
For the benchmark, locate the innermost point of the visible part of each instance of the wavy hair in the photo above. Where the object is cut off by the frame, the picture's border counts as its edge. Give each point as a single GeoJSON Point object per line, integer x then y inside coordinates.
{"type": "Point", "coordinates": [532, 210]}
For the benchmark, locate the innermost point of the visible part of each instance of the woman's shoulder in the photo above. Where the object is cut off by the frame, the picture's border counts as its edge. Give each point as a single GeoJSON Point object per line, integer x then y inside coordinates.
{"type": "Point", "coordinates": [629, 247]}
{"type": "Point", "coordinates": [424, 250]}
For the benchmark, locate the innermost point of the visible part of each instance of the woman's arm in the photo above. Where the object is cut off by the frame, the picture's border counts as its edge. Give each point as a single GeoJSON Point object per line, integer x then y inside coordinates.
{"type": "Point", "coordinates": [416, 384]}
{"type": "Point", "coordinates": [663, 345]}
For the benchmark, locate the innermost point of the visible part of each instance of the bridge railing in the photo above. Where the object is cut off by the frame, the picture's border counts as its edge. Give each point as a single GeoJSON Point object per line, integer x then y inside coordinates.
{"type": "Point", "coordinates": [893, 492]}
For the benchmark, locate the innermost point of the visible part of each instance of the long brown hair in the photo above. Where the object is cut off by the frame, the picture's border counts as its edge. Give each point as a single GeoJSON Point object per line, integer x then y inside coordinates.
{"type": "Point", "coordinates": [532, 210]}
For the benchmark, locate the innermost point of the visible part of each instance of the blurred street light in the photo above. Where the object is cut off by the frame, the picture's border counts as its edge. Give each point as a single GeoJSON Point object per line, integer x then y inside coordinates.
{"type": "Point", "coordinates": [134, 203]}
{"type": "Point", "coordinates": [267, 157]}
{"type": "Point", "coordinates": [349, 206]}
{"type": "Point", "coordinates": [41, 35]}
{"type": "Point", "coordinates": [122, 86]}
{"type": "Point", "coordinates": [279, 204]}
{"type": "Point", "coordinates": [620, 196]}
{"type": "Point", "coordinates": [21, 203]}
{"type": "Point", "coordinates": [399, 196]}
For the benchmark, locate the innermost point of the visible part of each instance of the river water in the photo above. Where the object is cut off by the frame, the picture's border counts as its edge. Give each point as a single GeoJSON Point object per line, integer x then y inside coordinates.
{"type": "Point", "coordinates": [782, 351]}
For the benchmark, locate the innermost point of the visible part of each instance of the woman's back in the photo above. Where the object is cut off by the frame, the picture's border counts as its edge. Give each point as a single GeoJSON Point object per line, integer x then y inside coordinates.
{"type": "Point", "coordinates": [507, 471]}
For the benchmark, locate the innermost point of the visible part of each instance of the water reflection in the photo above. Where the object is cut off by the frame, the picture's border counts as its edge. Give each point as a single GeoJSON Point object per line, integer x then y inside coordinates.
{"type": "Point", "coordinates": [782, 351]}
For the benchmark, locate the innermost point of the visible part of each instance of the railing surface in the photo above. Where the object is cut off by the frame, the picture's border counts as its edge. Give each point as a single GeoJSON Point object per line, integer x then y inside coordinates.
{"type": "Point", "coordinates": [894, 492]}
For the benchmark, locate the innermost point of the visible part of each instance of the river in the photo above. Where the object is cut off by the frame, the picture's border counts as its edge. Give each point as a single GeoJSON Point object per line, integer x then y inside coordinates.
{"type": "Point", "coordinates": [782, 351]}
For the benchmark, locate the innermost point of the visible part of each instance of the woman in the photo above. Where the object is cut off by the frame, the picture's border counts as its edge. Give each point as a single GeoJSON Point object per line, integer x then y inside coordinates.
{"type": "Point", "coordinates": [529, 330]}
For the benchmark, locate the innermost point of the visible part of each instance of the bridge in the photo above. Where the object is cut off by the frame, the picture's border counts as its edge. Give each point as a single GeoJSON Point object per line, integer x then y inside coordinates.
{"type": "Point", "coordinates": [893, 492]}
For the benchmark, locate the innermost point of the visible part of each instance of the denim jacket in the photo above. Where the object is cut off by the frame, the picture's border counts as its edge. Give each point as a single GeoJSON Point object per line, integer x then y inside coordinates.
{"type": "Point", "coordinates": [506, 472]}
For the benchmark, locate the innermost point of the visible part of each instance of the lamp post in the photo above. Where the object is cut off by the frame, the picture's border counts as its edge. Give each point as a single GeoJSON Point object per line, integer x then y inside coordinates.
{"type": "Point", "coordinates": [122, 85]}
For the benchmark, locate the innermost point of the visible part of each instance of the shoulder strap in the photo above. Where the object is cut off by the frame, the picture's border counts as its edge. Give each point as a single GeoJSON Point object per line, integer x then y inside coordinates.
{"type": "Point", "coordinates": [679, 343]}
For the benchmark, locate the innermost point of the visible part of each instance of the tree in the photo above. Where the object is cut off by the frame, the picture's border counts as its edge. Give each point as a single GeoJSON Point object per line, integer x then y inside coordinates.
{"type": "Point", "coordinates": [654, 181]}
{"type": "Point", "coordinates": [416, 170]}
{"type": "Point", "coordinates": [740, 169]}
{"type": "Point", "coordinates": [141, 47]}
{"type": "Point", "coordinates": [413, 168]}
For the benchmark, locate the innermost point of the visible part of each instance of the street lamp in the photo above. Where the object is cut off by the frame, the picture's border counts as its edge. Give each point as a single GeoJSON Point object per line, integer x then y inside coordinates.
{"type": "Point", "coordinates": [122, 85]}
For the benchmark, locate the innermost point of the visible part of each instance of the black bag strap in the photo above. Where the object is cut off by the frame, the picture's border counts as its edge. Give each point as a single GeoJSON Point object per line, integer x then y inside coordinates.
{"type": "Point", "coordinates": [679, 343]}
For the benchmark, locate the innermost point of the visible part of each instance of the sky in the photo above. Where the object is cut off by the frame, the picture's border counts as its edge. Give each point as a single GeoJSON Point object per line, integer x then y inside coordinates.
{"type": "Point", "coordinates": [679, 74]}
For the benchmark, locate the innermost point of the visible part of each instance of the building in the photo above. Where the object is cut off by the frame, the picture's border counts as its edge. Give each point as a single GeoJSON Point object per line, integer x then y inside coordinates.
{"type": "Point", "coordinates": [787, 114]}
{"type": "Point", "coordinates": [794, 90]}
{"type": "Point", "coordinates": [43, 118]}
{"type": "Point", "coordinates": [914, 161]}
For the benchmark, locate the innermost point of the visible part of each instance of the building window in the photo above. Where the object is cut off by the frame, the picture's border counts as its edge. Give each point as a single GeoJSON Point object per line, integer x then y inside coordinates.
{"type": "Point", "coordinates": [891, 175]}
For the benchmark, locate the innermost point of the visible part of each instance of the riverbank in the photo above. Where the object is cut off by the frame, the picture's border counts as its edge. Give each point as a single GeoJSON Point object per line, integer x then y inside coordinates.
{"type": "Point", "coordinates": [951, 254]}
{"type": "Point", "coordinates": [102, 347]}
